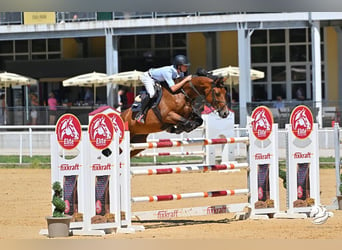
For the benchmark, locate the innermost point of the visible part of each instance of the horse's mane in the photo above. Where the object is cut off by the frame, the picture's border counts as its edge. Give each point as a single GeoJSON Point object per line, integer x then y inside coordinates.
{"type": "Point", "coordinates": [218, 80]}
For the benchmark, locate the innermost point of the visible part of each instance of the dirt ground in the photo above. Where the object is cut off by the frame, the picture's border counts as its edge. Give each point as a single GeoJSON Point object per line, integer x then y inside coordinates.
{"type": "Point", "coordinates": [25, 201]}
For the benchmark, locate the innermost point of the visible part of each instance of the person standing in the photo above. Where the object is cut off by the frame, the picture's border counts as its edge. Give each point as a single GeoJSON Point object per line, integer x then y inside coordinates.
{"type": "Point", "coordinates": [52, 103]}
{"type": "Point", "coordinates": [167, 74]}
{"type": "Point", "coordinates": [89, 97]}
{"type": "Point", "coordinates": [34, 107]}
{"type": "Point", "coordinates": [122, 100]}
{"type": "Point", "coordinates": [3, 109]}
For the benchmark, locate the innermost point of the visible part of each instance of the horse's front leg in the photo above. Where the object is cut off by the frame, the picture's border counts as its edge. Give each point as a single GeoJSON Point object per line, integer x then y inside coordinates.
{"type": "Point", "coordinates": [174, 118]}
{"type": "Point", "coordinates": [183, 124]}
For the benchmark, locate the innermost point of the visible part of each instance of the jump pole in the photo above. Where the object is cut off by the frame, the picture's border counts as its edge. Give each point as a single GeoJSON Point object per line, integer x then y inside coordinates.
{"type": "Point", "coordinates": [194, 142]}
{"type": "Point", "coordinates": [196, 168]}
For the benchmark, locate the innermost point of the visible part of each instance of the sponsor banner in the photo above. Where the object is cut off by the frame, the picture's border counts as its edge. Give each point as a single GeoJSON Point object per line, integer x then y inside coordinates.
{"type": "Point", "coordinates": [68, 131]}
{"type": "Point", "coordinates": [100, 131]}
{"type": "Point", "coordinates": [262, 122]}
{"type": "Point", "coordinates": [118, 125]}
{"type": "Point", "coordinates": [39, 17]}
{"type": "Point", "coordinates": [301, 120]}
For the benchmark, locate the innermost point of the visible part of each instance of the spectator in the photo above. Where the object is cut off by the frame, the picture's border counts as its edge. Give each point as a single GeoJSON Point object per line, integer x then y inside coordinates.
{"type": "Point", "coordinates": [278, 103]}
{"type": "Point", "coordinates": [300, 94]}
{"type": "Point", "coordinates": [122, 100]}
{"type": "Point", "coordinates": [34, 108]}
{"type": "Point", "coordinates": [3, 109]}
{"type": "Point", "coordinates": [52, 102]}
{"type": "Point", "coordinates": [89, 97]}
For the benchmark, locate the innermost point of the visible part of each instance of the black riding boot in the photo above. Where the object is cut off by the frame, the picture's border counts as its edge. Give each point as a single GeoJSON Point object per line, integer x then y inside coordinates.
{"type": "Point", "coordinates": [144, 107]}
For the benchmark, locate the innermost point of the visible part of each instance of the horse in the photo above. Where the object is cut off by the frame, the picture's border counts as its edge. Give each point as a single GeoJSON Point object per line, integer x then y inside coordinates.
{"type": "Point", "coordinates": [177, 111]}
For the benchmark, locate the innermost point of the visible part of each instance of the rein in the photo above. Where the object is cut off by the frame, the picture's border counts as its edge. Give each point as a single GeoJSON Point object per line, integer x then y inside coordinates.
{"type": "Point", "coordinates": [203, 99]}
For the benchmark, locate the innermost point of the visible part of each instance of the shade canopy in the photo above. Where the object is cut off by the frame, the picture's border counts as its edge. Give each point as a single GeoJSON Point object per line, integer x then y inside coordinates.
{"type": "Point", "coordinates": [93, 79]}
{"type": "Point", "coordinates": [8, 79]}
{"type": "Point", "coordinates": [11, 79]}
{"type": "Point", "coordinates": [233, 73]}
{"type": "Point", "coordinates": [128, 78]}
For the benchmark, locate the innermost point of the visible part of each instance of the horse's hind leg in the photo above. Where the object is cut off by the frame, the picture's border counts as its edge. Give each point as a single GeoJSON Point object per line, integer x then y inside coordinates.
{"type": "Point", "coordinates": [137, 139]}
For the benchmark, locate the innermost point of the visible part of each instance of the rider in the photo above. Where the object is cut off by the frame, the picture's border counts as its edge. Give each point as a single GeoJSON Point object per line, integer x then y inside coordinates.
{"type": "Point", "coordinates": [167, 74]}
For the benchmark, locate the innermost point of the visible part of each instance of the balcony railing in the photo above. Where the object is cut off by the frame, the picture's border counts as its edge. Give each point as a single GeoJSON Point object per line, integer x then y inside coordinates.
{"type": "Point", "coordinates": [15, 18]}
{"type": "Point", "coordinates": [75, 16]}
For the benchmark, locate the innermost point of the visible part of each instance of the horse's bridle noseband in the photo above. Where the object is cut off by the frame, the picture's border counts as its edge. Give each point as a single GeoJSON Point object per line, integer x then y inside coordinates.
{"type": "Point", "coordinates": [203, 98]}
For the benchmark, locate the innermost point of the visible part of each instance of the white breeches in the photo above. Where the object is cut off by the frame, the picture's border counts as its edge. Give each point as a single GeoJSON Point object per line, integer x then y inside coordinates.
{"type": "Point", "coordinates": [149, 84]}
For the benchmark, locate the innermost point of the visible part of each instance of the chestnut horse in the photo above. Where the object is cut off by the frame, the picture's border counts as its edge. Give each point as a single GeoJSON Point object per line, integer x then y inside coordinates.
{"type": "Point", "coordinates": [177, 110]}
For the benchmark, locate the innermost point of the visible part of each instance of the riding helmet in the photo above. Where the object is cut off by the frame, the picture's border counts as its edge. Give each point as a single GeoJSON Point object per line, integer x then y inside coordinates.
{"type": "Point", "coordinates": [180, 60]}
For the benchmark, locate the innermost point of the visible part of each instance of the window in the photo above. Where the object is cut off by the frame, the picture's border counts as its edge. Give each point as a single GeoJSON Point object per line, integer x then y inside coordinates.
{"type": "Point", "coordinates": [286, 54]}
{"type": "Point", "coordinates": [278, 90]}
{"type": "Point", "coordinates": [142, 52]}
{"type": "Point", "coordinates": [277, 53]}
{"type": "Point", "coordinates": [162, 41]}
{"type": "Point", "coordinates": [259, 37]}
{"type": "Point", "coordinates": [278, 73]}
{"type": "Point", "coordinates": [6, 47]}
{"type": "Point", "coordinates": [39, 45]}
{"type": "Point", "coordinates": [277, 36]}
{"type": "Point", "coordinates": [298, 53]}
{"type": "Point", "coordinates": [30, 50]}
{"type": "Point", "coordinates": [54, 45]}
{"type": "Point", "coordinates": [259, 54]}
{"type": "Point", "coordinates": [21, 46]}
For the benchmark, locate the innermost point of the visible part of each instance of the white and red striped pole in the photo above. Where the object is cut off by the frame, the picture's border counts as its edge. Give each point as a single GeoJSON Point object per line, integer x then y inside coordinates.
{"type": "Point", "coordinates": [195, 142]}
{"type": "Point", "coordinates": [199, 153]}
{"type": "Point", "coordinates": [200, 168]}
{"type": "Point", "coordinates": [170, 197]}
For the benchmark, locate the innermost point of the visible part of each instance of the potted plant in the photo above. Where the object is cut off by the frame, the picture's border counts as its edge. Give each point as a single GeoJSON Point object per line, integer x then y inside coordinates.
{"type": "Point", "coordinates": [58, 223]}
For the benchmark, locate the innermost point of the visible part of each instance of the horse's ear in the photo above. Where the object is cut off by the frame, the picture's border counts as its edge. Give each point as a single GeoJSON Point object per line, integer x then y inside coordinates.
{"type": "Point", "coordinates": [201, 72]}
{"type": "Point", "coordinates": [219, 81]}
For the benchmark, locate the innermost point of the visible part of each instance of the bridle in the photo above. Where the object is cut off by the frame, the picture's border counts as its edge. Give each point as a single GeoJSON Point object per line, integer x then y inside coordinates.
{"type": "Point", "coordinates": [203, 98]}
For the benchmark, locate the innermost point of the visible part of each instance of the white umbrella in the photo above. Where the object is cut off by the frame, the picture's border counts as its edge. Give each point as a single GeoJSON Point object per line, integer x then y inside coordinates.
{"type": "Point", "coordinates": [127, 78]}
{"type": "Point", "coordinates": [233, 73]}
{"type": "Point", "coordinates": [11, 79]}
{"type": "Point", "coordinates": [93, 79]}
{"type": "Point", "coordinates": [8, 79]}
